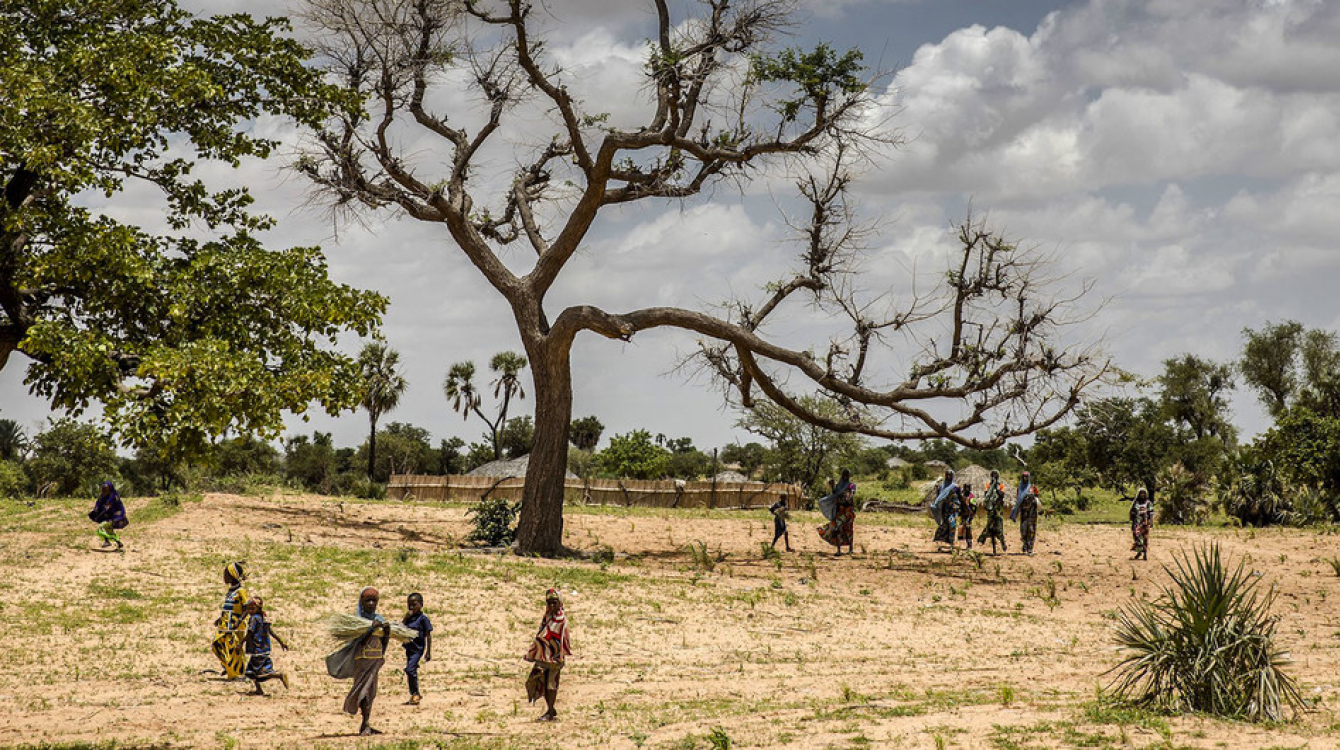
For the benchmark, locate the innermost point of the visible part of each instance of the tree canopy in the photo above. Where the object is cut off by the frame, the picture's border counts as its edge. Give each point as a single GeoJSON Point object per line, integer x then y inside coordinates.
{"type": "Point", "coordinates": [181, 334]}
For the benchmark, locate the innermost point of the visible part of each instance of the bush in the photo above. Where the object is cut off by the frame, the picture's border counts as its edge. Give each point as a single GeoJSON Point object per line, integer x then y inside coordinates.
{"type": "Point", "coordinates": [1182, 497]}
{"type": "Point", "coordinates": [72, 458]}
{"type": "Point", "coordinates": [13, 481]}
{"type": "Point", "coordinates": [494, 521]}
{"type": "Point", "coordinates": [1207, 644]}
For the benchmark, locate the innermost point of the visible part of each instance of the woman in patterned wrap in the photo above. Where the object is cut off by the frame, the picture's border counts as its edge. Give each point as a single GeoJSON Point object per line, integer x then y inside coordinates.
{"type": "Point", "coordinates": [232, 623]}
{"type": "Point", "coordinates": [548, 651]}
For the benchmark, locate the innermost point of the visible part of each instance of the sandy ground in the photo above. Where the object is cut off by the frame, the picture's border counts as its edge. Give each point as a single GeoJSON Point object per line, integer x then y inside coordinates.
{"type": "Point", "coordinates": [897, 646]}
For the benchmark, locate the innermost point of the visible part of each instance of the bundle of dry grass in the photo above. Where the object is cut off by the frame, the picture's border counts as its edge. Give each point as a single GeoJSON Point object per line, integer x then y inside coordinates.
{"type": "Point", "coordinates": [345, 626]}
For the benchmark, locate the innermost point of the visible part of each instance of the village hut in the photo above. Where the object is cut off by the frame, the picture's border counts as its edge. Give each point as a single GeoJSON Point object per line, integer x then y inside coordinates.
{"type": "Point", "coordinates": [506, 468]}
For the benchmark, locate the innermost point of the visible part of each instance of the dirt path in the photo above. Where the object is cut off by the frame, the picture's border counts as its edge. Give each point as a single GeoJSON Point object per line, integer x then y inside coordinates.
{"type": "Point", "coordinates": [894, 647]}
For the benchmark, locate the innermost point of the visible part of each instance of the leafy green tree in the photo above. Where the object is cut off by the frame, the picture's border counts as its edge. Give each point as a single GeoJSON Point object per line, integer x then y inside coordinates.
{"type": "Point", "coordinates": [312, 461]}
{"type": "Point", "coordinates": [939, 450]}
{"type": "Point", "coordinates": [633, 455]}
{"type": "Point", "coordinates": [13, 442]}
{"type": "Point", "coordinates": [464, 396]}
{"type": "Point", "coordinates": [1288, 365]}
{"type": "Point", "coordinates": [382, 386]}
{"type": "Point", "coordinates": [1305, 449]}
{"type": "Point", "coordinates": [180, 336]}
{"type": "Point", "coordinates": [798, 450]}
{"type": "Point", "coordinates": [1127, 442]}
{"type": "Point", "coordinates": [516, 436]}
{"type": "Point", "coordinates": [451, 461]}
{"type": "Point", "coordinates": [584, 433]}
{"type": "Point", "coordinates": [1059, 462]}
{"type": "Point", "coordinates": [71, 458]}
{"type": "Point", "coordinates": [402, 449]}
{"type": "Point", "coordinates": [749, 456]}
{"type": "Point", "coordinates": [150, 471]}
{"type": "Point", "coordinates": [478, 455]}
{"type": "Point", "coordinates": [1194, 395]}
{"type": "Point", "coordinates": [244, 455]}
{"type": "Point", "coordinates": [686, 461]}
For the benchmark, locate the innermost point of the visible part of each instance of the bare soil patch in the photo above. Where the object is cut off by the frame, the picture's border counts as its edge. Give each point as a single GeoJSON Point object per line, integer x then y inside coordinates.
{"type": "Point", "coordinates": [689, 630]}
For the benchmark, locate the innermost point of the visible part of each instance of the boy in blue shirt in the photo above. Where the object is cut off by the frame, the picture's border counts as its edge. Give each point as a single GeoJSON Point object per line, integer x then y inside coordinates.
{"type": "Point", "coordinates": [419, 648]}
{"type": "Point", "coordinates": [259, 666]}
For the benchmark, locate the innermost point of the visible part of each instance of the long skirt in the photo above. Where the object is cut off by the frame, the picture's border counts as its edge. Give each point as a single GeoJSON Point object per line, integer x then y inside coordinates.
{"type": "Point", "coordinates": [841, 529]}
{"type": "Point", "coordinates": [1140, 535]}
{"type": "Point", "coordinates": [365, 683]}
{"type": "Point", "coordinates": [1028, 533]}
{"type": "Point", "coordinates": [543, 675]}
{"type": "Point", "coordinates": [228, 648]}
{"type": "Point", "coordinates": [945, 532]}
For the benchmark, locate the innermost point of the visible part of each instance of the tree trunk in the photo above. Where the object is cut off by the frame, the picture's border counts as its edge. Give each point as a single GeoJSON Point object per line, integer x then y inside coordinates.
{"type": "Point", "coordinates": [540, 529]}
{"type": "Point", "coordinates": [372, 448]}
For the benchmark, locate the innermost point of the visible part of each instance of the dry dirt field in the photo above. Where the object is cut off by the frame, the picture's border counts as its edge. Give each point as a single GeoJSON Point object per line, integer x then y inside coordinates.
{"type": "Point", "coordinates": [895, 647]}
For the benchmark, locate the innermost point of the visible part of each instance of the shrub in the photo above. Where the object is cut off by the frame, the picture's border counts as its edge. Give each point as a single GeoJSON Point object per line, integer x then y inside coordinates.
{"type": "Point", "coordinates": [1182, 500]}
{"type": "Point", "coordinates": [1207, 644]}
{"type": "Point", "coordinates": [13, 482]}
{"type": "Point", "coordinates": [72, 458]}
{"type": "Point", "coordinates": [494, 521]}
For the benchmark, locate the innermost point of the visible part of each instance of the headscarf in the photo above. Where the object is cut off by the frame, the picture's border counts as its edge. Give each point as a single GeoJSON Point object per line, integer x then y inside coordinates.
{"type": "Point", "coordinates": [366, 615]}
{"type": "Point", "coordinates": [1025, 485]}
{"type": "Point", "coordinates": [946, 488]}
{"type": "Point", "coordinates": [828, 503]}
{"type": "Point", "coordinates": [552, 642]}
{"type": "Point", "coordinates": [236, 571]}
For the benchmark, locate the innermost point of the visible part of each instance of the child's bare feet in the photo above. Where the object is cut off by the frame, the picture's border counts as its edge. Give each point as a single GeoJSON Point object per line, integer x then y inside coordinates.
{"type": "Point", "coordinates": [414, 700]}
{"type": "Point", "coordinates": [368, 732]}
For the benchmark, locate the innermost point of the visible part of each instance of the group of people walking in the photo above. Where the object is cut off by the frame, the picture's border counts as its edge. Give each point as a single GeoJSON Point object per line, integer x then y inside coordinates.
{"type": "Point", "coordinates": [244, 633]}
{"type": "Point", "coordinates": [955, 508]}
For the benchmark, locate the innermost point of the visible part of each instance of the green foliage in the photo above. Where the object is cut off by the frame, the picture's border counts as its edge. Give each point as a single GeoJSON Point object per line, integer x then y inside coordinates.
{"type": "Point", "coordinates": [1207, 644]}
{"type": "Point", "coordinates": [1194, 395]}
{"type": "Point", "coordinates": [1250, 491]}
{"type": "Point", "coordinates": [818, 76]}
{"type": "Point", "coordinates": [180, 337]}
{"type": "Point", "coordinates": [1289, 366]}
{"type": "Point", "coordinates": [450, 458]}
{"type": "Point", "coordinates": [312, 461]}
{"type": "Point", "coordinates": [1185, 496]}
{"type": "Point", "coordinates": [381, 385]}
{"type": "Point", "coordinates": [582, 463]}
{"type": "Point", "coordinates": [799, 451]}
{"type": "Point", "coordinates": [584, 433]}
{"type": "Point", "coordinates": [13, 442]}
{"type": "Point", "coordinates": [71, 458]}
{"type": "Point", "coordinates": [460, 389]}
{"type": "Point", "coordinates": [749, 456]}
{"type": "Point", "coordinates": [493, 522]}
{"type": "Point", "coordinates": [633, 455]}
{"type": "Point", "coordinates": [1305, 448]}
{"type": "Point", "coordinates": [13, 480]}
{"type": "Point", "coordinates": [515, 438]}
{"type": "Point", "coordinates": [401, 449]}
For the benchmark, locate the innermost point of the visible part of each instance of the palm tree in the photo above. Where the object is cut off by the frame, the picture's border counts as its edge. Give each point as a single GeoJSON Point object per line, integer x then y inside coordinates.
{"type": "Point", "coordinates": [378, 365]}
{"type": "Point", "coordinates": [12, 440]}
{"type": "Point", "coordinates": [460, 390]}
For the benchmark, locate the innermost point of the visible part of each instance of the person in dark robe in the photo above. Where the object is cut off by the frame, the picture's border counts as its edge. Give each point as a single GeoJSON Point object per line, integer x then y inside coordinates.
{"type": "Point", "coordinates": [369, 657]}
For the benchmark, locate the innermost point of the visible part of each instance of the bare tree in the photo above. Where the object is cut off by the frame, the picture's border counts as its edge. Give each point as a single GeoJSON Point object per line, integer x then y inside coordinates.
{"type": "Point", "coordinates": [724, 101]}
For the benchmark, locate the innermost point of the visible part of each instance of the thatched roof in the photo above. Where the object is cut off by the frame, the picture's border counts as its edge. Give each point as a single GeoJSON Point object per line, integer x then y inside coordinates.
{"type": "Point", "coordinates": [895, 462]}
{"type": "Point", "coordinates": [977, 476]}
{"type": "Point", "coordinates": [507, 467]}
{"type": "Point", "coordinates": [731, 476]}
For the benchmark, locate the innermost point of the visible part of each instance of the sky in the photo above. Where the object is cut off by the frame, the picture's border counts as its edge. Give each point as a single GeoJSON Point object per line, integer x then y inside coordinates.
{"type": "Point", "coordinates": [1184, 155]}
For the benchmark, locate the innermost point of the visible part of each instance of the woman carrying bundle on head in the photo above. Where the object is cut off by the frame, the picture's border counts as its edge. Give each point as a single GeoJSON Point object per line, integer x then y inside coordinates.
{"type": "Point", "coordinates": [232, 623]}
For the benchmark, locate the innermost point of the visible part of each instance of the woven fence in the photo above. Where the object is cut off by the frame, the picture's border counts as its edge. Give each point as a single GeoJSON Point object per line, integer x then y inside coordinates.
{"type": "Point", "coordinates": [661, 493]}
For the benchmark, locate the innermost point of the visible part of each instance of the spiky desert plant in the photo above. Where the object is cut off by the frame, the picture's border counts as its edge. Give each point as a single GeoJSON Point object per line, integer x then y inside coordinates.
{"type": "Point", "coordinates": [1207, 644]}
